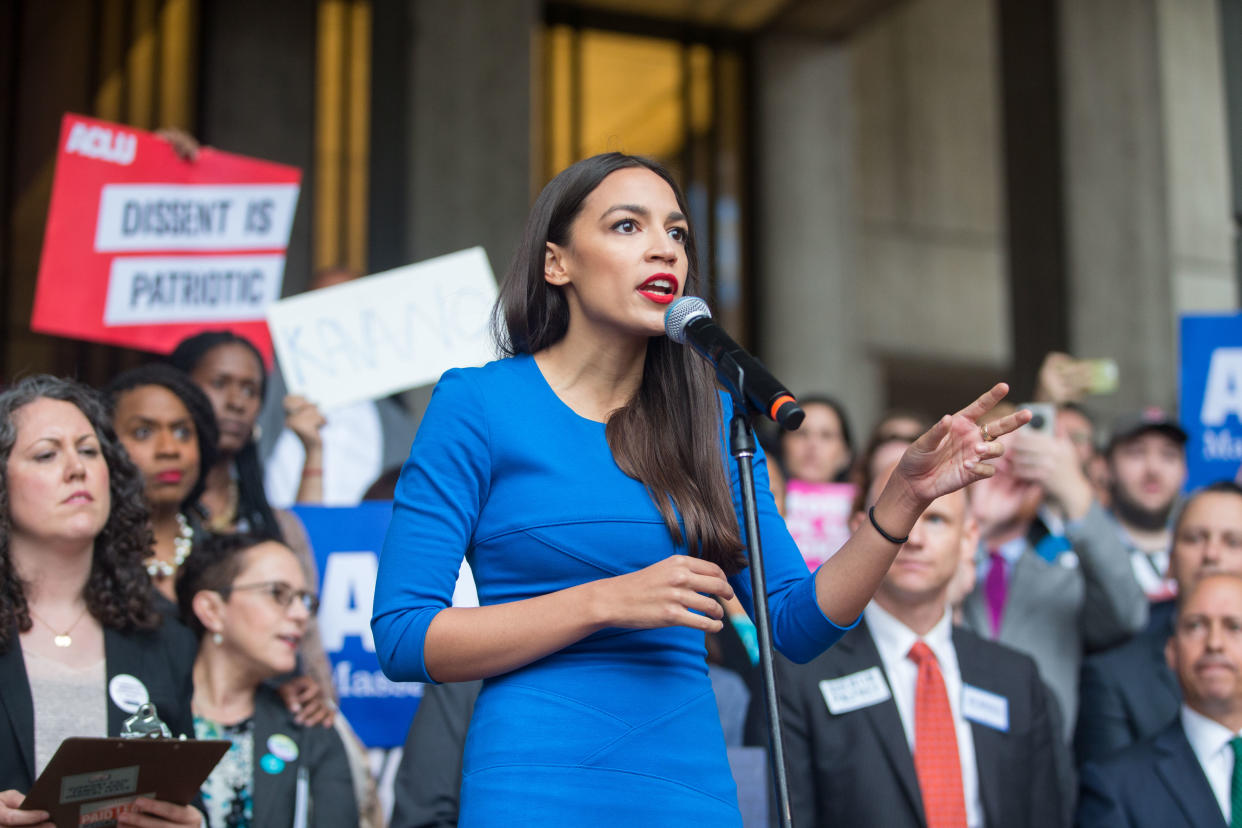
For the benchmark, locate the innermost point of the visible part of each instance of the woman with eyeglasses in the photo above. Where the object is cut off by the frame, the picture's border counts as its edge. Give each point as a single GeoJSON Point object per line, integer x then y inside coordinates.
{"type": "Point", "coordinates": [247, 600]}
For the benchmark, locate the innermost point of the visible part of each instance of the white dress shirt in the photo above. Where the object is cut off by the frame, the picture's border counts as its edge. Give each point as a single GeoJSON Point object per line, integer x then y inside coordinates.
{"type": "Point", "coordinates": [1210, 742]}
{"type": "Point", "coordinates": [894, 639]}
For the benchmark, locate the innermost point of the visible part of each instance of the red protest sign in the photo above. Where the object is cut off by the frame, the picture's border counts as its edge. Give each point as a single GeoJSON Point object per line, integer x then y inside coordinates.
{"type": "Point", "coordinates": [143, 249]}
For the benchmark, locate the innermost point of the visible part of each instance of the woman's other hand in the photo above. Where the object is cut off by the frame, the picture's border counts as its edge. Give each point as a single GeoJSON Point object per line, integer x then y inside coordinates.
{"type": "Point", "coordinates": [304, 419]}
{"type": "Point", "coordinates": [154, 813]}
{"type": "Point", "coordinates": [956, 451]}
{"type": "Point", "coordinates": [10, 813]}
{"type": "Point", "coordinates": [677, 591]}
{"type": "Point", "coordinates": [307, 702]}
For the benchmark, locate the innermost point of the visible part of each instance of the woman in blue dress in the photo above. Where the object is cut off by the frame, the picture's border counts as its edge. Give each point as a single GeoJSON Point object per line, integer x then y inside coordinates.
{"type": "Point", "coordinates": [585, 479]}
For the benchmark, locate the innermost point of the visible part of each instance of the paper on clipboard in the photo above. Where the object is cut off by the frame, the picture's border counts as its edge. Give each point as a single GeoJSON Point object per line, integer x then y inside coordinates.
{"type": "Point", "coordinates": [90, 782]}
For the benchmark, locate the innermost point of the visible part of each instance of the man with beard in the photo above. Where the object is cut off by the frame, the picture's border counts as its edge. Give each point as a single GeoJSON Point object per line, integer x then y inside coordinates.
{"type": "Point", "coordinates": [1083, 600]}
{"type": "Point", "coordinates": [1190, 773]}
{"type": "Point", "coordinates": [1147, 465]}
{"type": "Point", "coordinates": [1129, 693]}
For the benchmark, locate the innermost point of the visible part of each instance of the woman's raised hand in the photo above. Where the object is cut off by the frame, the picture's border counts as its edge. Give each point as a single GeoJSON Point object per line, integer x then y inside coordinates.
{"type": "Point", "coordinates": [956, 451]}
{"type": "Point", "coordinates": [663, 595]}
{"type": "Point", "coordinates": [11, 813]}
{"type": "Point", "coordinates": [304, 419]}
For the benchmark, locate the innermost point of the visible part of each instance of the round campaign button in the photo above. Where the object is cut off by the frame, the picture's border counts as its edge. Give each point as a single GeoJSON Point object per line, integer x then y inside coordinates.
{"type": "Point", "coordinates": [282, 747]}
{"type": "Point", "coordinates": [271, 764]}
{"type": "Point", "coordinates": [128, 692]}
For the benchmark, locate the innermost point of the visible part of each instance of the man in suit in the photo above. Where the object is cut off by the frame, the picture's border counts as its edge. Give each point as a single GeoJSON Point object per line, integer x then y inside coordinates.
{"type": "Point", "coordinates": [1085, 600]}
{"type": "Point", "coordinates": [1190, 773]}
{"type": "Point", "coordinates": [909, 721]}
{"type": "Point", "coordinates": [1129, 693]}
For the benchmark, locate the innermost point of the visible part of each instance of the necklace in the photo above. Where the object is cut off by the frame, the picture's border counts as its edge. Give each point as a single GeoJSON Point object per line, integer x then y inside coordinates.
{"type": "Point", "coordinates": [224, 521]}
{"type": "Point", "coordinates": [60, 639]}
{"type": "Point", "coordinates": [182, 545]}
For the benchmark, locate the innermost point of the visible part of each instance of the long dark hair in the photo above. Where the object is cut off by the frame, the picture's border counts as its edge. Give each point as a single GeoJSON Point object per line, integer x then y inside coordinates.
{"type": "Point", "coordinates": [206, 432]}
{"type": "Point", "coordinates": [683, 469]}
{"type": "Point", "coordinates": [252, 502]}
{"type": "Point", "coordinates": [118, 590]}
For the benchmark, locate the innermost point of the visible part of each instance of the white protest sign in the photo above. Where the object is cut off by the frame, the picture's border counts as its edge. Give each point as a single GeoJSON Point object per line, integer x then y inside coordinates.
{"type": "Point", "coordinates": [388, 332]}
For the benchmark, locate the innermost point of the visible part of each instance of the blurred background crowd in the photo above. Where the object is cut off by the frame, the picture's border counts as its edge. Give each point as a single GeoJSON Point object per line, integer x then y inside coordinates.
{"type": "Point", "coordinates": [864, 175]}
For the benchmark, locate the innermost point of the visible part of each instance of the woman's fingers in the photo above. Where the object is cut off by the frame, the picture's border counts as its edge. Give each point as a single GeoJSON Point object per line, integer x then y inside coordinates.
{"type": "Point", "coordinates": [986, 402]}
{"type": "Point", "coordinates": [702, 604]}
{"type": "Point", "coordinates": [706, 577]}
{"type": "Point", "coordinates": [155, 813]}
{"type": "Point", "coordinates": [1007, 424]}
{"type": "Point", "coordinates": [930, 439]}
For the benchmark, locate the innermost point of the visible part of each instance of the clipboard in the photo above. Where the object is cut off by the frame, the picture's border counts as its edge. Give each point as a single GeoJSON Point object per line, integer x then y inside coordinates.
{"type": "Point", "coordinates": [89, 782]}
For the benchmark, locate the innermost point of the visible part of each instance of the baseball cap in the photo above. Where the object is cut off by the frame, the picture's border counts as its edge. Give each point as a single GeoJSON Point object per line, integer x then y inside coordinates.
{"type": "Point", "coordinates": [1151, 418]}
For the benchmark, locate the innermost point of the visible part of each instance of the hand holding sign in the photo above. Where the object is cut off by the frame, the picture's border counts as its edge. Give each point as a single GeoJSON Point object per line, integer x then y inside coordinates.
{"type": "Point", "coordinates": [153, 249]}
{"type": "Point", "coordinates": [388, 332]}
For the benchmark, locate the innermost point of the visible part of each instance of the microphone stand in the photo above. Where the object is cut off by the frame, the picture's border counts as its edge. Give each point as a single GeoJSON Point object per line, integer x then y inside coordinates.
{"type": "Point", "coordinates": [742, 447]}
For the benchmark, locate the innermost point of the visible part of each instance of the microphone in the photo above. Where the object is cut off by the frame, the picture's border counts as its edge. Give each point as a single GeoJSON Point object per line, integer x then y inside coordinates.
{"type": "Point", "coordinates": [688, 321]}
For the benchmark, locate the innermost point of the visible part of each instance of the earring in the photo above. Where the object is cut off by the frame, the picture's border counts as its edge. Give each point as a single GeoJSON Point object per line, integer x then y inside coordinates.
{"type": "Point", "coordinates": [217, 639]}
{"type": "Point", "coordinates": [256, 433]}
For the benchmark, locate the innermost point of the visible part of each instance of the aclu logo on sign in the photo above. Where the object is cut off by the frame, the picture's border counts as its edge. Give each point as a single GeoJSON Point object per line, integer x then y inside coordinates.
{"type": "Point", "coordinates": [1211, 397]}
{"type": "Point", "coordinates": [102, 144]}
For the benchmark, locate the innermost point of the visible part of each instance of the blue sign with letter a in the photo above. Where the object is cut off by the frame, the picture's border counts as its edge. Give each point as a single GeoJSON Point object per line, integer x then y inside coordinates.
{"type": "Point", "coordinates": [347, 542]}
{"type": "Point", "coordinates": [1211, 397]}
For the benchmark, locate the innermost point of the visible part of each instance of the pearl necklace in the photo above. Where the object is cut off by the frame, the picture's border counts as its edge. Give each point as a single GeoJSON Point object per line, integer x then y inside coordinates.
{"type": "Point", "coordinates": [182, 544]}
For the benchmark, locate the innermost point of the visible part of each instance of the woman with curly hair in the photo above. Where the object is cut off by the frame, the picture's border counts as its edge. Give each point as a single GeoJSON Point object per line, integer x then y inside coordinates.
{"type": "Point", "coordinates": [167, 427]}
{"type": "Point", "coordinates": [81, 643]}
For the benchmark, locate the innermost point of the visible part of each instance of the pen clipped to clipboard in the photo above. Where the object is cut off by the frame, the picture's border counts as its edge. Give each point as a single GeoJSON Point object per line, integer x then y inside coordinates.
{"type": "Point", "coordinates": [89, 782]}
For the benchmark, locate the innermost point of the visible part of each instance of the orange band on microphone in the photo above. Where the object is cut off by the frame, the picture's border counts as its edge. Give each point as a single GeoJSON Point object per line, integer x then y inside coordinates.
{"type": "Point", "coordinates": [776, 406]}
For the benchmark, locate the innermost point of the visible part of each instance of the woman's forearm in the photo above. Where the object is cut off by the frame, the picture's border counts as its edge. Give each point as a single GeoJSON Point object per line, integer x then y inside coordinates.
{"type": "Point", "coordinates": [466, 643]}
{"type": "Point", "coordinates": [847, 580]}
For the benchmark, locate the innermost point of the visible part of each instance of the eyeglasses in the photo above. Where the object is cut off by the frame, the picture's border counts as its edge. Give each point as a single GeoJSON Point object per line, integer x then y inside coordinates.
{"type": "Point", "coordinates": [280, 592]}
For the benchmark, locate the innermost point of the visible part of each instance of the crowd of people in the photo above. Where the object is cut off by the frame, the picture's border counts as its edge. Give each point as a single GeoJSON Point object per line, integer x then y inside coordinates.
{"type": "Point", "coordinates": [1027, 626]}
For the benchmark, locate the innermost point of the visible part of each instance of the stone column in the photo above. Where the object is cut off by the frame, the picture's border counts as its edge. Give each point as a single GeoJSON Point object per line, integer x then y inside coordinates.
{"type": "Point", "coordinates": [1147, 180]}
{"type": "Point", "coordinates": [808, 313]}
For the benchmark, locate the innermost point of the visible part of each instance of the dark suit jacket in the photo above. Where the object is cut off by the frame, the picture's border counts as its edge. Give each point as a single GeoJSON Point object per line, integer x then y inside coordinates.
{"type": "Point", "coordinates": [427, 788]}
{"type": "Point", "coordinates": [856, 769]}
{"type": "Point", "coordinates": [162, 659]}
{"type": "Point", "coordinates": [320, 752]}
{"type": "Point", "coordinates": [1157, 783]}
{"type": "Point", "coordinates": [1127, 694]}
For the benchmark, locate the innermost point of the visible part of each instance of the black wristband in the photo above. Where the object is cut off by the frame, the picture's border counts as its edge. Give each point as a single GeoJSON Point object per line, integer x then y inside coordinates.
{"type": "Point", "coordinates": [885, 535]}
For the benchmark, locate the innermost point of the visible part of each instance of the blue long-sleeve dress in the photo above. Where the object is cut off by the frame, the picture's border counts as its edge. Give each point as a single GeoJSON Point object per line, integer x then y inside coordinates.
{"type": "Point", "coordinates": [621, 727]}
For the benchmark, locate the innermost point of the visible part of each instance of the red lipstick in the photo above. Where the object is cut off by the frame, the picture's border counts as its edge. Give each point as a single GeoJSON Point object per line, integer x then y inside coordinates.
{"type": "Point", "coordinates": [660, 288]}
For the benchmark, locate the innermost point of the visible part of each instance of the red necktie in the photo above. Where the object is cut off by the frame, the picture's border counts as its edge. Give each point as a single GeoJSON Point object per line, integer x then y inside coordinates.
{"type": "Point", "coordinates": [936, 760]}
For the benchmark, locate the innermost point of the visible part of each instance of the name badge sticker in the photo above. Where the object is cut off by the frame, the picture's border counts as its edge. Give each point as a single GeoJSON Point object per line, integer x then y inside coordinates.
{"type": "Point", "coordinates": [988, 709]}
{"type": "Point", "coordinates": [855, 691]}
{"type": "Point", "coordinates": [128, 692]}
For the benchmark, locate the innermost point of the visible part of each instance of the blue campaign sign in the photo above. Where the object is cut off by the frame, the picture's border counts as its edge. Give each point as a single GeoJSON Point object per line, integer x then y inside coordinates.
{"type": "Point", "coordinates": [347, 542]}
{"type": "Point", "coordinates": [1211, 396]}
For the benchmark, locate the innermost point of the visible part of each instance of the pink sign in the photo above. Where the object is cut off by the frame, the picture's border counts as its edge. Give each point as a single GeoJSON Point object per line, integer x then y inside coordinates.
{"type": "Point", "coordinates": [818, 516]}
